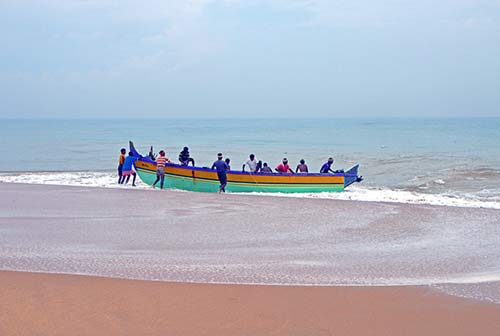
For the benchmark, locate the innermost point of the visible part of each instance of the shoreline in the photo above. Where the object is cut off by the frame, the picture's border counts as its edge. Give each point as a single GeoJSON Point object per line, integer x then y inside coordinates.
{"type": "Point", "coordinates": [409, 197]}
{"type": "Point", "coordinates": [434, 286]}
{"type": "Point", "coordinates": [37, 303]}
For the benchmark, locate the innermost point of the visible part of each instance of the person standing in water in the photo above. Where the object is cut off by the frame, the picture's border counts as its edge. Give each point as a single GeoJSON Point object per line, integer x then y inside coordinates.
{"type": "Point", "coordinates": [302, 167]}
{"type": "Point", "coordinates": [127, 168]}
{"type": "Point", "coordinates": [221, 166]}
{"type": "Point", "coordinates": [160, 169]}
{"type": "Point", "coordinates": [121, 160]}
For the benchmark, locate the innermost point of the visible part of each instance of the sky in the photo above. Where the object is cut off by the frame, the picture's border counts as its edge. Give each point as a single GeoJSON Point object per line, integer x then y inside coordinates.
{"type": "Point", "coordinates": [249, 59]}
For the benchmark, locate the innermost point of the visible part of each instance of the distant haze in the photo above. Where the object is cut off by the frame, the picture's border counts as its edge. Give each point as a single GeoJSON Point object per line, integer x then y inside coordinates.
{"type": "Point", "coordinates": [254, 58]}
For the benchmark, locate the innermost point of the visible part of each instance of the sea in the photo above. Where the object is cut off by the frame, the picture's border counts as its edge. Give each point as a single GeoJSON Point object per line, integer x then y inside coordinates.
{"type": "Point", "coordinates": [440, 161]}
{"type": "Point", "coordinates": [451, 163]}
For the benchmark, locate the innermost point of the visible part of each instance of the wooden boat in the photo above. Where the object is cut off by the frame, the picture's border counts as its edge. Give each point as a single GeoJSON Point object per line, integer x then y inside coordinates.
{"type": "Point", "coordinates": [205, 179]}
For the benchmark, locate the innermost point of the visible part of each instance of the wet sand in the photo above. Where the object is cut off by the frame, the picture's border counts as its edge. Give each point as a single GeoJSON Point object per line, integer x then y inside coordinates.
{"type": "Point", "coordinates": [244, 239]}
{"type": "Point", "coordinates": [54, 304]}
{"type": "Point", "coordinates": [184, 237]}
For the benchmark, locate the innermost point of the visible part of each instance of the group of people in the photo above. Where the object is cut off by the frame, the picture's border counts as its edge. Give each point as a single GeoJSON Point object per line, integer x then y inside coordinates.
{"type": "Point", "coordinates": [254, 166]}
{"type": "Point", "coordinates": [221, 165]}
{"type": "Point", "coordinates": [125, 164]}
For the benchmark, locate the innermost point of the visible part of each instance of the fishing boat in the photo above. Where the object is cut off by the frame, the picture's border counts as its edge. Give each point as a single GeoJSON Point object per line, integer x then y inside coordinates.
{"type": "Point", "coordinates": [205, 179]}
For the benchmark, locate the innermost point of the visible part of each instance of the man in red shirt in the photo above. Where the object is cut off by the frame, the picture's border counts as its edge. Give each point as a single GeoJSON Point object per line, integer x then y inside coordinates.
{"type": "Point", "coordinates": [283, 167]}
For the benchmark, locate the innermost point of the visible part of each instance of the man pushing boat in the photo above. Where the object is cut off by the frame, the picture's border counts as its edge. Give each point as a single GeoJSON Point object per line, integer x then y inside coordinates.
{"type": "Point", "coordinates": [221, 166]}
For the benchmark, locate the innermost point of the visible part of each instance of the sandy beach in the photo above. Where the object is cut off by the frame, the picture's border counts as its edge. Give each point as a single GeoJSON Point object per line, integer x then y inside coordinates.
{"type": "Point", "coordinates": [249, 168]}
{"type": "Point", "coordinates": [49, 304]}
{"type": "Point", "coordinates": [237, 240]}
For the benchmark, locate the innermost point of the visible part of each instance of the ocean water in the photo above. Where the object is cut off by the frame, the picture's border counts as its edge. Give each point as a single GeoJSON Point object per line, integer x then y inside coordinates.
{"type": "Point", "coordinates": [452, 162]}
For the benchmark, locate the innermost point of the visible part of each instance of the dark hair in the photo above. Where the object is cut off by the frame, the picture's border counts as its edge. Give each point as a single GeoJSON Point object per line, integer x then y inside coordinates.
{"type": "Point", "coordinates": [302, 161]}
{"type": "Point", "coordinates": [130, 154]}
{"type": "Point", "coordinates": [252, 156]}
{"type": "Point", "coordinates": [265, 164]}
{"type": "Point", "coordinates": [219, 154]}
{"type": "Point", "coordinates": [228, 160]}
{"type": "Point", "coordinates": [162, 152]}
{"type": "Point", "coordinates": [186, 148]}
{"type": "Point", "coordinates": [123, 150]}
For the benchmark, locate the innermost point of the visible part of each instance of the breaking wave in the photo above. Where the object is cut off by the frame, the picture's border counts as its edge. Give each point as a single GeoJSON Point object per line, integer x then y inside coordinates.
{"type": "Point", "coordinates": [482, 199]}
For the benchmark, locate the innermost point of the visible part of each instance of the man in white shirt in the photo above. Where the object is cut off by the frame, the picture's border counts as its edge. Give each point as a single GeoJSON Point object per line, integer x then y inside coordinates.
{"type": "Point", "coordinates": [251, 164]}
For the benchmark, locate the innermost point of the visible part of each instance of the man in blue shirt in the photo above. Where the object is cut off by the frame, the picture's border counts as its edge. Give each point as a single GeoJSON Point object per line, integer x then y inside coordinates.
{"type": "Point", "coordinates": [221, 166]}
{"type": "Point", "coordinates": [327, 167]}
{"type": "Point", "coordinates": [127, 168]}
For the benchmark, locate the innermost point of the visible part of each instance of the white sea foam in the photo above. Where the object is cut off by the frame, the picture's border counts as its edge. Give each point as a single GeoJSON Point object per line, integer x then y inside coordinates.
{"type": "Point", "coordinates": [354, 193]}
{"type": "Point", "coordinates": [87, 179]}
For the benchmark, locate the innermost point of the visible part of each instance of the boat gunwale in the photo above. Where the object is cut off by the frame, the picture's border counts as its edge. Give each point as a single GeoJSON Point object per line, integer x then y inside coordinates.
{"type": "Point", "coordinates": [206, 169]}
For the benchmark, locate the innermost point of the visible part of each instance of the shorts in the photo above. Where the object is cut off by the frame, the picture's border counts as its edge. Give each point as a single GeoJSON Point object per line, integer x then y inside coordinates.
{"type": "Point", "coordinates": [128, 172]}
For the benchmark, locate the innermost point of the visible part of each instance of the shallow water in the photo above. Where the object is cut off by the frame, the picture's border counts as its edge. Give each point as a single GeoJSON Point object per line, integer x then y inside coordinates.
{"type": "Point", "coordinates": [357, 192]}
{"type": "Point", "coordinates": [249, 239]}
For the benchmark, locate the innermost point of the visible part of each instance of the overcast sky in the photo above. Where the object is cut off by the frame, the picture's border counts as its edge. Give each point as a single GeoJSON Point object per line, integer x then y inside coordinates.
{"type": "Point", "coordinates": [253, 58]}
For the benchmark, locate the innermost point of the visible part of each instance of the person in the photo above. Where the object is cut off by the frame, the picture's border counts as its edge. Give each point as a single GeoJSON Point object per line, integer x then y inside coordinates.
{"type": "Point", "coordinates": [184, 157]}
{"type": "Point", "coordinates": [302, 167]}
{"type": "Point", "coordinates": [266, 168]}
{"type": "Point", "coordinates": [127, 168]}
{"type": "Point", "coordinates": [259, 166]}
{"type": "Point", "coordinates": [221, 166]}
{"type": "Point", "coordinates": [283, 167]}
{"type": "Point", "coordinates": [160, 168]}
{"type": "Point", "coordinates": [121, 160]}
{"type": "Point", "coordinates": [251, 163]}
{"type": "Point", "coordinates": [327, 167]}
{"type": "Point", "coordinates": [228, 162]}
{"type": "Point", "coordinates": [151, 154]}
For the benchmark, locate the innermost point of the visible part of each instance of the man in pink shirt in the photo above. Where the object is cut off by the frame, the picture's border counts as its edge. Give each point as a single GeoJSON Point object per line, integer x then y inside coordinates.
{"type": "Point", "coordinates": [283, 167]}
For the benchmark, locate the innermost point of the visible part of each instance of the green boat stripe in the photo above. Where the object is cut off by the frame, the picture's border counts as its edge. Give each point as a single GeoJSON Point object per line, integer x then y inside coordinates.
{"type": "Point", "coordinates": [270, 184]}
